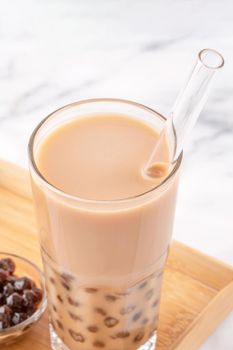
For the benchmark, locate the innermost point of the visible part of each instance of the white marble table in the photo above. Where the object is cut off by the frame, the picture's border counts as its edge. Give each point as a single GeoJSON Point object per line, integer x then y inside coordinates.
{"type": "Point", "coordinates": [53, 52]}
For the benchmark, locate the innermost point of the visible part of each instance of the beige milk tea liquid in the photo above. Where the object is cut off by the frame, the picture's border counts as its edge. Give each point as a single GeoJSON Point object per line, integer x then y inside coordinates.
{"type": "Point", "coordinates": [103, 260]}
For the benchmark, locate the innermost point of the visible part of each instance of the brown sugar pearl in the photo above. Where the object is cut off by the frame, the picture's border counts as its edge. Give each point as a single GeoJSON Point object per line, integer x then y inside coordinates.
{"type": "Point", "coordinates": [67, 278]}
{"type": "Point", "coordinates": [6, 310]}
{"type": "Point", "coordinates": [121, 335]}
{"type": "Point", "coordinates": [93, 329]}
{"type": "Point", "coordinates": [111, 298]}
{"type": "Point", "coordinates": [110, 322]}
{"type": "Point", "coordinates": [5, 317]}
{"type": "Point", "coordinates": [127, 310]}
{"type": "Point", "coordinates": [53, 324]}
{"type": "Point", "coordinates": [8, 289]}
{"type": "Point", "coordinates": [15, 301]}
{"type": "Point", "coordinates": [99, 344]}
{"type": "Point", "coordinates": [23, 283]}
{"type": "Point", "coordinates": [75, 317]}
{"type": "Point", "coordinates": [100, 311]}
{"type": "Point", "coordinates": [60, 298]}
{"type": "Point", "coordinates": [38, 293]}
{"type": "Point", "coordinates": [60, 325]}
{"type": "Point", "coordinates": [18, 317]}
{"type": "Point", "coordinates": [73, 302]}
{"type": "Point", "coordinates": [137, 316]}
{"type": "Point", "coordinates": [78, 337]}
{"type": "Point", "coordinates": [149, 294]}
{"type": "Point", "coordinates": [91, 290]}
{"type": "Point", "coordinates": [142, 285]}
{"type": "Point", "coordinates": [65, 285]}
{"type": "Point", "coordinates": [144, 321]}
{"type": "Point", "coordinates": [139, 337]}
{"type": "Point", "coordinates": [31, 298]}
{"type": "Point", "coordinates": [3, 275]}
{"type": "Point", "coordinates": [52, 280]}
{"type": "Point", "coordinates": [12, 279]}
{"type": "Point", "coordinates": [155, 303]}
{"type": "Point", "coordinates": [8, 265]}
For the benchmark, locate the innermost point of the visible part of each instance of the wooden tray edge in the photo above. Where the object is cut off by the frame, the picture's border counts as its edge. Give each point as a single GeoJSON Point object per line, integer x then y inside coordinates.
{"type": "Point", "coordinates": [204, 256]}
{"type": "Point", "coordinates": [208, 320]}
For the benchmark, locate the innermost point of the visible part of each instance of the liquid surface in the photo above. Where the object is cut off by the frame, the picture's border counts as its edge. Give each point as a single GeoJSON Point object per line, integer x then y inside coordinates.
{"type": "Point", "coordinates": [99, 157]}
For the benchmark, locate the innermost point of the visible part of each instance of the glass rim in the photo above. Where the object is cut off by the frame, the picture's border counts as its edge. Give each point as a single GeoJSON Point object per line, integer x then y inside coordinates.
{"type": "Point", "coordinates": [58, 191]}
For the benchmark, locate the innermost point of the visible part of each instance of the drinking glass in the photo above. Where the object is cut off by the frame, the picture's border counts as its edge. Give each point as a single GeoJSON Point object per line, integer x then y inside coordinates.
{"type": "Point", "coordinates": [103, 259]}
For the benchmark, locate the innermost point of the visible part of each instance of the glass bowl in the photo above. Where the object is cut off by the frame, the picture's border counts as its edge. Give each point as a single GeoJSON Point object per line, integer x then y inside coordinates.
{"type": "Point", "coordinates": [24, 268]}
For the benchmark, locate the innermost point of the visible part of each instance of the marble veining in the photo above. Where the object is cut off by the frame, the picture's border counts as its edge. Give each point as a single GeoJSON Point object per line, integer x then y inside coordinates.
{"type": "Point", "coordinates": [58, 51]}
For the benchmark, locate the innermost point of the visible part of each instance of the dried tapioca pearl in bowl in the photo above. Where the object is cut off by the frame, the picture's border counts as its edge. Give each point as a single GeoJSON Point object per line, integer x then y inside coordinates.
{"type": "Point", "coordinates": [22, 296]}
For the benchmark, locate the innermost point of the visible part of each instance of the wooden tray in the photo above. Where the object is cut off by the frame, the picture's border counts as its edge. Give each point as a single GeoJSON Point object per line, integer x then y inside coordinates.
{"type": "Point", "coordinates": [197, 290]}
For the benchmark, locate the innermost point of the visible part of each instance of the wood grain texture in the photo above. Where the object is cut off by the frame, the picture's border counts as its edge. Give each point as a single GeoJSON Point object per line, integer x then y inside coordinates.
{"type": "Point", "coordinates": [197, 290]}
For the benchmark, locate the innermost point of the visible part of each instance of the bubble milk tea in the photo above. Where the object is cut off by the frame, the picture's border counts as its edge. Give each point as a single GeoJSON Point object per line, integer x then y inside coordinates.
{"type": "Point", "coordinates": [105, 229]}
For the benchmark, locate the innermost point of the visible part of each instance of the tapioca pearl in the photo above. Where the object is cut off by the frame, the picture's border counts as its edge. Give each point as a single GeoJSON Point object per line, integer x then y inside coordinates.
{"type": "Point", "coordinates": [149, 294]}
{"type": "Point", "coordinates": [52, 280]}
{"type": "Point", "coordinates": [155, 303]}
{"type": "Point", "coordinates": [67, 278]}
{"type": "Point", "coordinates": [120, 335]}
{"type": "Point", "coordinates": [73, 302]}
{"type": "Point", "coordinates": [78, 337]}
{"type": "Point", "coordinates": [111, 322]}
{"type": "Point", "coordinates": [60, 325]}
{"type": "Point", "coordinates": [111, 298]}
{"type": "Point", "coordinates": [143, 285]}
{"type": "Point", "coordinates": [127, 310]}
{"type": "Point", "coordinates": [65, 285]}
{"type": "Point", "coordinates": [93, 329]}
{"type": "Point", "coordinates": [60, 299]}
{"type": "Point", "coordinates": [137, 316]}
{"type": "Point", "coordinates": [144, 321]}
{"type": "Point", "coordinates": [98, 344]}
{"type": "Point", "coordinates": [23, 283]}
{"type": "Point", "coordinates": [139, 337]}
{"type": "Point", "coordinates": [100, 311]}
{"type": "Point", "coordinates": [91, 290]}
{"type": "Point", "coordinates": [15, 301]}
{"type": "Point", "coordinates": [53, 322]}
{"type": "Point", "coordinates": [75, 317]}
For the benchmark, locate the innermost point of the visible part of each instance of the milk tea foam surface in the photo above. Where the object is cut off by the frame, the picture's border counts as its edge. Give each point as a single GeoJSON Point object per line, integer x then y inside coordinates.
{"type": "Point", "coordinates": [103, 262]}
{"type": "Point", "coordinates": [99, 157]}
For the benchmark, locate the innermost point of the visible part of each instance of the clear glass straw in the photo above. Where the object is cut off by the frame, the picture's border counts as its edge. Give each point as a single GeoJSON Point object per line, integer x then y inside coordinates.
{"type": "Point", "coordinates": [186, 110]}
